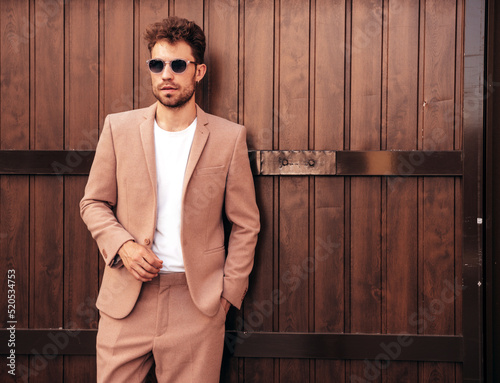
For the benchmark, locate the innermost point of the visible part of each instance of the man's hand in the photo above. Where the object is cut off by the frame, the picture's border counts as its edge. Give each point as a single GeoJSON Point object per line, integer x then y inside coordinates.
{"type": "Point", "coordinates": [225, 304]}
{"type": "Point", "coordinates": [140, 261]}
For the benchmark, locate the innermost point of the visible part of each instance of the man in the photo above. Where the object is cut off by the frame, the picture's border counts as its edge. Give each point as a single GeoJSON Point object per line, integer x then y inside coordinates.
{"type": "Point", "coordinates": [161, 180]}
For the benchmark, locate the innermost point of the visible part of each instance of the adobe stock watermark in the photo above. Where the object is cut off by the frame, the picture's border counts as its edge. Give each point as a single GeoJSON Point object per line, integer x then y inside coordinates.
{"type": "Point", "coordinates": [293, 279]}
{"type": "Point", "coordinates": [422, 319]}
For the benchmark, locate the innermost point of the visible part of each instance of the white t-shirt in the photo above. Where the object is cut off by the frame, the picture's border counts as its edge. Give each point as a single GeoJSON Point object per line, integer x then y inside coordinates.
{"type": "Point", "coordinates": [172, 152]}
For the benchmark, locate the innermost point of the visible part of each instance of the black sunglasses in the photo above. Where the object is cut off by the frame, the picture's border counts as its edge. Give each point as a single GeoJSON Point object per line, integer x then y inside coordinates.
{"type": "Point", "coordinates": [178, 66]}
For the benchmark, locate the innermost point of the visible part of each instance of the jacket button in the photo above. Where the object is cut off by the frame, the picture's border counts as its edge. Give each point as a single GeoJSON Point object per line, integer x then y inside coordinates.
{"type": "Point", "coordinates": [147, 241]}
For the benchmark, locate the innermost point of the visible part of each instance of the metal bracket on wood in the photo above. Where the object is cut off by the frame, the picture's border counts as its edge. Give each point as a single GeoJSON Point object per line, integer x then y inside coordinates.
{"type": "Point", "coordinates": [294, 162]}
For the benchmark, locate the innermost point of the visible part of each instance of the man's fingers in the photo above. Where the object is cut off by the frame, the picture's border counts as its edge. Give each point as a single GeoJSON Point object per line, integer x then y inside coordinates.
{"type": "Point", "coordinates": [136, 275]}
{"type": "Point", "coordinates": [145, 270]}
{"type": "Point", "coordinates": [152, 259]}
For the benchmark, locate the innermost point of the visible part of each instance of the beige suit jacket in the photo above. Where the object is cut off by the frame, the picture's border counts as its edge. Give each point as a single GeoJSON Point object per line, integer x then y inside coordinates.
{"type": "Point", "coordinates": [120, 205]}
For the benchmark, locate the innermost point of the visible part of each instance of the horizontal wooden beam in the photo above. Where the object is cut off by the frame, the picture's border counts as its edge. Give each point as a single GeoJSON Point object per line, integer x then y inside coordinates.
{"type": "Point", "coordinates": [399, 163]}
{"type": "Point", "coordinates": [264, 162]}
{"type": "Point", "coordinates": [379, 347]}
{"type": "Point", "coordinates": [46, 162]}
{"type": "Point", "coordinates": [347, 346]}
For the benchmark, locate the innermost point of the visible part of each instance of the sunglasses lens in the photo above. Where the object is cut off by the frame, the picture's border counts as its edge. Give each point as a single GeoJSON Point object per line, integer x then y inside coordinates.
{"type": "Point", "coordinates": [178, 66]}
{"type": "Point", "coordinates": [156, 66]}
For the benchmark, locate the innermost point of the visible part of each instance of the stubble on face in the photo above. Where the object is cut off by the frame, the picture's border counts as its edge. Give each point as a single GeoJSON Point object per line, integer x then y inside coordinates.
{"type": "Point", "coordinates": [175, 101]}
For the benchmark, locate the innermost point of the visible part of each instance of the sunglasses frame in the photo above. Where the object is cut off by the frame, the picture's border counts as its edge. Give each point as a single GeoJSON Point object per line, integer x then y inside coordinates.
{"type": "Point", "coordinates": [168, 63]}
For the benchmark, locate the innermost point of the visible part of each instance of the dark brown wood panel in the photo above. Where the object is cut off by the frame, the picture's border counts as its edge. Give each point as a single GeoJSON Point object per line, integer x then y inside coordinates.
{"type": "Point", "coordinates": [14, 191]}
{"type": "Point", "coordinates": [117, 55]}
{"type": "Point", "coordinates": [329, 75]}
{"type": "Point", "coordinates": [402, 74]}
{"type": "Point", "coordinates": [222, 31]}
{"type": "Point", "coordinates": [81, 260]}
{"type": "Point", "coordinates": [259, 63]}
{"type": "Point", "coordinates": [14, 92]}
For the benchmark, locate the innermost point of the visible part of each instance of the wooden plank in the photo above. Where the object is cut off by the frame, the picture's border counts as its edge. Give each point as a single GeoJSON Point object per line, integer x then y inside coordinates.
{"type": "Point", "coordinates": [398, 372]}
{"type": "Point", "coordinates": [329, 255]}
{"type": "Point", "coordinates": [260, 306]}
{"type": "Point", "coordinates": [14, 248]}
{"type": "Point", "coordinates": [439, 74]}
{"type": "Point", "coordinates": [329, 75]}
{"type": "Point", "coordinates": [46, 239]}
{"type": "Point", "coordinates": [49, 75]}
{"type": "Point", "coordinates": [117, 55]}
{"type": "Point", "coordinates": [147, 12]}
{"type": "Point", "coordinates": [222, 58]}
{"type": "Point", "coordinates": [14, 191]}
{"type": "Point", "coordinates": [329, 268]}
{"type": "Point", "coordinates": [439, 134]}
{"type": "Point", "coordinates": [294, 75]}
{"type": "Point", "coordinates": [46, 285]}
{"type": "Point", "coordinates": [402, 82]}
{"type": "Point", "coordinates": [365, 194]}
{"type": "Point", "coordinates": [439, 289]}
{"type": "Point", "coordinates": [294, 218]}
{"type": "Point", "coordinates": [365, 255]}
{"type": "Point", "coordinates": [259, 63]}
{"type": "Point", "coordinates": [366, 67]}
{"type": "Point", "coordinates": [294, 268]}
{"type": "Point", "coordinates": [402, 256]}
{"type": "Point", "coordinates": [82, 74]}
{"type": "Point", "coordinates": [82, 124]}
{"type": "Point", "coordinates": [15, 74]}
{"type": "Point", "coordinates": [402, 264]}
{"type": "Point", "coordinates": [189, 9]}
{"type": "Point", "coordinates": [365, 198]}
{"type": "Point", "coordinates": [81, 274]}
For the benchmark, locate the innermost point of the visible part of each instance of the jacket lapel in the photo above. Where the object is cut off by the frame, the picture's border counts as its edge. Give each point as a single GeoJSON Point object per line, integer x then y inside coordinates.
{"type": "Point", "coordinates": [148, 143]}
{"type": "Point", "coordinates": [199, 140]}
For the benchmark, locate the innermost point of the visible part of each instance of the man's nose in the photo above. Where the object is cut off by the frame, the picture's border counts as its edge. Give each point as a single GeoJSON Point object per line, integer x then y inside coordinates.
{"type": "Point", "coordinates": [167, 73]}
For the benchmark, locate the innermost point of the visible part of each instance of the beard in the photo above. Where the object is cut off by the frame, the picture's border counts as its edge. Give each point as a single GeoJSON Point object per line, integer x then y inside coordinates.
{"type": "Point", "coordinates": [178, 100]}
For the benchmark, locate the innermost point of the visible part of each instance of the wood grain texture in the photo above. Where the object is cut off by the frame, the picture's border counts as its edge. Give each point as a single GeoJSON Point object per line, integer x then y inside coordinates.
{"type": "Point", "coordinates": [439, 74]}
{"type": "Point", "coordinates": [15, 84]}
{"type": "Point", "coordinates": [402, 255]}
{"type": "Point", "coordinates": [366, 67]}
{"type": "Point", "coordinates": [117, 75]}
{"type": "Point", "coordinates": [82, 121]}
{"type": "Point", "coordinates": [14, 191]}
{"type": "Point", "coordinates": [222, 58]}
{"type": "Point", "coordinates": [402, 28]}
{"type": "Point", "coordinates": [82, 97]}
{"type": "Point", "coordinates": [329, 255]}
{"type": "Point", "coordinates": [365, 255]}
{"type": "Point", "coordinates": [294, 75]}
{"type": "Point", "coordinates": [81, 264]}
{"type": "Point", "coordinates": [259, 63]}
{"type": "Point", "coordinates": [46, 269]}
{"type": "Point", "coordinates": [294, 269]}
{"type": "Point", "coordinates": [49, 75]}
{"type": "Point", "coordinates": [329, 75]}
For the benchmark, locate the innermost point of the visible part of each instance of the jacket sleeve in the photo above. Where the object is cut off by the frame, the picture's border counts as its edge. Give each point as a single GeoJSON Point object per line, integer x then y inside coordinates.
{"type": "Point", "coordinates": [96, 207]}
{"type": "Point", "coordinates": [241, 210]}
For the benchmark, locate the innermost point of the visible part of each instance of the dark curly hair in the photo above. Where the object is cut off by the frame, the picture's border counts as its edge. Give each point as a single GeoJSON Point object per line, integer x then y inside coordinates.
{"type": "Point", "coordinates": [175, 29]}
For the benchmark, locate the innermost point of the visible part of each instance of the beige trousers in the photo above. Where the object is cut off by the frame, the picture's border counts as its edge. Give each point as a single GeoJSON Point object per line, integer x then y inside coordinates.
{"type": "Point", "coordinates": [166, 326]}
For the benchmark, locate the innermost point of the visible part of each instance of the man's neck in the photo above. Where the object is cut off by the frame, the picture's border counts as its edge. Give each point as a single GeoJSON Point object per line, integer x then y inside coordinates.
{"type": "Point", "coordinates": [175, 119]}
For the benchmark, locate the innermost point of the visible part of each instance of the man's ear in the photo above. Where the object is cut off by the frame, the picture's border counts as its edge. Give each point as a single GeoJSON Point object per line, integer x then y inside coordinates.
{"type": "Point", "coordinates": [201, 69]}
